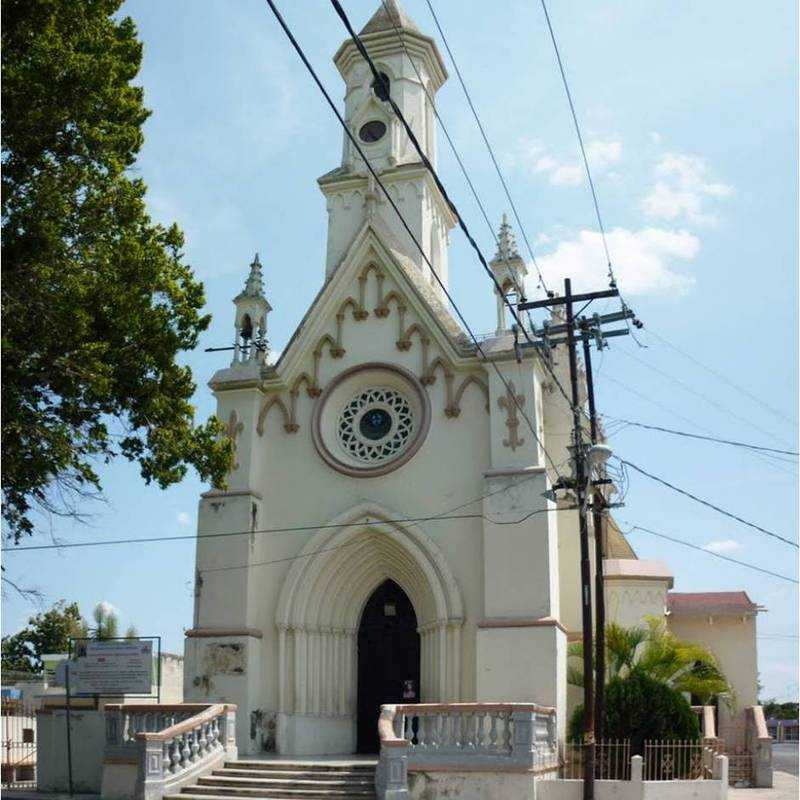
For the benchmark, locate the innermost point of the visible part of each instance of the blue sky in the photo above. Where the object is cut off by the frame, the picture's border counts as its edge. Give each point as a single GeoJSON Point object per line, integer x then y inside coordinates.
{"type": "Point", "coordinates": [689, 111]}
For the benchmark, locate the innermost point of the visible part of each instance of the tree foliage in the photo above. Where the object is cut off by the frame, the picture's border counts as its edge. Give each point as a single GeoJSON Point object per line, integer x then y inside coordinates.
{"type": "Point", "coordinates": [684, 666]}
{"type": "Point", "coordinates": [48, 632]}
{"type": "Point", "coordinates": [772, 708]}
{"type": "Point", "coordinates": [640, 707]}
{"type": "Point", "coordinates": [106, 622]}
{"type": "Point", "coordinates": [97, 301]}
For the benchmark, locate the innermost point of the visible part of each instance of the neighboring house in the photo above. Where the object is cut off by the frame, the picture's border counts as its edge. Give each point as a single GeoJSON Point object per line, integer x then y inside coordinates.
{"type": "Point", "coordinates": [783, 730]}
{"type": "Point", "coordinates": [379, 418]}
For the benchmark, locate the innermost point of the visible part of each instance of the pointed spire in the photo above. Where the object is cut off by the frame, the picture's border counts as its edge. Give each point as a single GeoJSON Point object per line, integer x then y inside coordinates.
{"type": "Point", "coordinates": [507, 248]}
{"type": "Point", "coordinates": [390, 15]}
{"type": "Point", "coordinates": [254, 286]}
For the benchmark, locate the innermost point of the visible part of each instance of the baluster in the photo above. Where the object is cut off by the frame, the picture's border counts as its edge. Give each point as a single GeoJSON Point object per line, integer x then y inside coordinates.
{"type": "Point", "coordinates": [166, 761]}
{"type": "Point", "coordinates": [186, 751]}
{"type": "Point", "coordinates": [174, 754]}
{"type": "Point", "coordinates": [507, 733]}
{"type": "Point", "coordinates": [215, 732]}
{"type": "Point", "coordinates": [194, 744]}
{"type": "Point", "coordinates": [203, 741]}
{"type": "Point", "coordinates": [493, 730]}
{"type": "Point", "coordinates": [479, 743]}
{"type": "Point", "coordinates": [423, 722]}
{"type": "Point", "coordinates": [472, 742]}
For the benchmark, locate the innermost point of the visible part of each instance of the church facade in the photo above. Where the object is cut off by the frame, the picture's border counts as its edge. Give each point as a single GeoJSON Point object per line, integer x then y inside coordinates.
{"type": "Point", "coordinates": [392, 538]}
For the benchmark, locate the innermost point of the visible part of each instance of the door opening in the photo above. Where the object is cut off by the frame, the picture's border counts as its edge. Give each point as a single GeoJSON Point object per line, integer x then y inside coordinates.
{"type": "Point", "coordinates": [388, 659]}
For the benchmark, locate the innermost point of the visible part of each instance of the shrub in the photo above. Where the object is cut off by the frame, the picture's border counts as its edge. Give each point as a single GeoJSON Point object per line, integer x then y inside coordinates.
{"type": "Point", "coordinates": [639, 707]}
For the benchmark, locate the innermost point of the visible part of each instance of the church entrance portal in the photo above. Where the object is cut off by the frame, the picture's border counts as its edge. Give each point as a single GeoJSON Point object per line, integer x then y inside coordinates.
{"type": "Point", "coordinates": [388, 659]}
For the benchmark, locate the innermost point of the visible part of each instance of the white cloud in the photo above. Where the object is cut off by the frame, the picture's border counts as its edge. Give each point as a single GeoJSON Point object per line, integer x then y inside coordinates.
{"type": "Point", "coordinates": [184, 519]}
{"type": "Point", "coordinates": [533, 155]}
{"type": "Point", "coordinates": [722, 546]}
{"type": "Point", "coordinates": [643, 260]}
{"type": "Point", "coordinates": [681, 190]}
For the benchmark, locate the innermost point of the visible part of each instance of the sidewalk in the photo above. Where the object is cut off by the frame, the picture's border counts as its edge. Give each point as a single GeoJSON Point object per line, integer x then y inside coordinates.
{"type": "Point", "coordinates": [784, 787]}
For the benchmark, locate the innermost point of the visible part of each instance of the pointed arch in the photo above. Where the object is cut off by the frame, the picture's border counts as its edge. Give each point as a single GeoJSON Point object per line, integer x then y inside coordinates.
{"type": "Point", "coordinates": [323, 595]}
{"type": "Point", "coordinates": [289, 424]}
{"type": "Point", "coordinates": [380, 277]}
{"type": "Point", "coordinates": [454, 409]}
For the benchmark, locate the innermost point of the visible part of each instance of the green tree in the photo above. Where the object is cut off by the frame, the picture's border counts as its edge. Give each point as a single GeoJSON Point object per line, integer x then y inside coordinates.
{"type": "Point", "coordinates": [640, 707]}
{"type": "Point", "coordinates": [48, 632]}
{"type": "Point", "coordinates": [772, 708]}
{"type": "Point", "coordinates": [131, 632]}
{"type": "Point", "coordinates": [97, 301]}
{"type": "Point", "coordinates": [684, 666]}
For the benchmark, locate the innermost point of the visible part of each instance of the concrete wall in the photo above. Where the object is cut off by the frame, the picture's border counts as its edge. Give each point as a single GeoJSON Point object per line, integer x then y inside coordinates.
{"type": "Point", "coordinates": [633, 790]}
{"type": "Point", "coordinates": [87, 729]}
{"type": "Point", "coordinates": [732, 639]}
{"type": "Point", "coordinates": [471, 785]}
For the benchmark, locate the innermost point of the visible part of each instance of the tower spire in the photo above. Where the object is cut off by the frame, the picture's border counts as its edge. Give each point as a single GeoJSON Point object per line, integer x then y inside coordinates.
{"type": "Point", "coordinates": [251, 318]}
{"type": "Point", "coordinates": [507, 247]}
{"type": "Point", "coordinates": [254, 285]}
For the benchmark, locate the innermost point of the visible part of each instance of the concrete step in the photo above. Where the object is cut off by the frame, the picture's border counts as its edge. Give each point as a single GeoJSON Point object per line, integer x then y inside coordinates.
{"type": "Point", "coordinates": [291, 782]}
{"type": "Point", "coordinates": [322, 775]}
{"type": "Point", "coordinates": [304, 766]}
{"type": "Point", "coordinates": [280, 791]}
{"type": "Point", "coordinates": [268, 794]}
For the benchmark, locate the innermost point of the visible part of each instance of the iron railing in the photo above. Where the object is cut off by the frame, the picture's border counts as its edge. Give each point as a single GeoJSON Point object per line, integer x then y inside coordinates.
{"type": "Point", "coordinates": [18, 739]}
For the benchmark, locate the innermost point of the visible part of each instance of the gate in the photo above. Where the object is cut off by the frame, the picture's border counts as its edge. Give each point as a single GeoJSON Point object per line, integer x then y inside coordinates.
{"type": "Point", "coordinates": [18, 741]}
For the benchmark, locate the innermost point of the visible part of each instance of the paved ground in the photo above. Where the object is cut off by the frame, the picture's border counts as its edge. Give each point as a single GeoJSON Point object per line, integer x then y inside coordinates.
{"type": "Point", "coordinates": [785, 756]}
{"type": "Point", "coordinates": [784, 787]}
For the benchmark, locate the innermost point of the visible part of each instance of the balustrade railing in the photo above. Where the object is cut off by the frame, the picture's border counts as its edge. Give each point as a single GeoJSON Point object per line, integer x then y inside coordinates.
{"type": "Point", "coordinates": [453, 736]}
{"type": "Point", "coordinates": [171, 745]}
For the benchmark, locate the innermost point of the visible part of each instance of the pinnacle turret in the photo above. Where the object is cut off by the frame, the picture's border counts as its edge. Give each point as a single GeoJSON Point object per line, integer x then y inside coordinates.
{"type": "Point", "coordinates": [507, 242]}
{"type": "Point", "coordinates": [254, 285]}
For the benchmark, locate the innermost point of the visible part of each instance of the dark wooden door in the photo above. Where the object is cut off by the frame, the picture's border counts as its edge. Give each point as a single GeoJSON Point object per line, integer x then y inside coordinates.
{"type": "Point", "coordinates": [388, 659]}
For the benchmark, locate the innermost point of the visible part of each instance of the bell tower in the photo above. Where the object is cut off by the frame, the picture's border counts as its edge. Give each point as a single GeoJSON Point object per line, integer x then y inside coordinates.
{"type": "Point", "coordinates": [411, 71]}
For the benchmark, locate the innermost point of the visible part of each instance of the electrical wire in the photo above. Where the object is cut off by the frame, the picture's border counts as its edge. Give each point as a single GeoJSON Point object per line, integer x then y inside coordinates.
{"type": "Point", "coordinates": [641, 528]}
{"type": "Point", "coordinates": [704, 438]}
{"type": "Point", "coordinates": [288, 529]}
{"type": "Point", "coordinates": [295, 44]}
{"type": "Point", "coordinates": [721, 377]}
{"type": "Point", "coordinates": [489, 148]}
{"type": "Point", "coordinates": [706, 503]}
{"type": "Point", "coordinates": [544, 358]}
{"type": "Point", "coordinates": [704, 397]}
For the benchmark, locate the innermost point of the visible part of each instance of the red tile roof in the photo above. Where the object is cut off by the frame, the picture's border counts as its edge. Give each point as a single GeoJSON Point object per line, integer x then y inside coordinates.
{"type": "Point", "coordinates": [710, 603]}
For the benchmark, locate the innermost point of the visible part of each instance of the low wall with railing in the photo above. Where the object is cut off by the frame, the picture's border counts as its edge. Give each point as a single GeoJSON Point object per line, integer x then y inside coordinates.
{"type": "Point", "coordinates": [464, 750]}
{"type": "Point", "coordinates": [636, 786]}
{"type": "Point", "coordinates": [154, 750]}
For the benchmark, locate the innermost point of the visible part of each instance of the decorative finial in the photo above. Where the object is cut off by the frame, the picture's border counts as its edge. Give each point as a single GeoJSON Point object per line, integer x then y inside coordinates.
{"type": "Point", "coordinates": [507, 243]}
{"type": "Point", "coordinates": [254, 286]}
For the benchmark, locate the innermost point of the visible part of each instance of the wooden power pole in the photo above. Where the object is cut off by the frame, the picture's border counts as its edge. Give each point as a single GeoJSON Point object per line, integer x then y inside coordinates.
{"type": "Point", "coordinates": [584, 487]}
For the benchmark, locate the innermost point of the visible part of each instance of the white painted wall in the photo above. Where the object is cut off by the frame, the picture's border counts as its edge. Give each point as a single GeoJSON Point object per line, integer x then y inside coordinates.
{"type": "Point", "coordinates": [87, 729]}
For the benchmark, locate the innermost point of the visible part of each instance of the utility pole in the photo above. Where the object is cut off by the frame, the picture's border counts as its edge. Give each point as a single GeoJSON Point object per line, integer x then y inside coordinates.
{"type": "Point", "coordinates": [583, 486]}
{"type": "Point", "coordinates": [598, 504]}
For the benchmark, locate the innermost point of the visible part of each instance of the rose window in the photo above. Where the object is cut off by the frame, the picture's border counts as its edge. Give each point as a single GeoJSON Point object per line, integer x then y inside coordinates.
{"type": "Point", "coordinates": [375, 425]}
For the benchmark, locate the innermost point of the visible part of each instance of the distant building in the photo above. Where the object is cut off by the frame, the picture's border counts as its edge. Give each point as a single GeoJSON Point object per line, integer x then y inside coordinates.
{"type": "Point", "coordinates": [784, 730]}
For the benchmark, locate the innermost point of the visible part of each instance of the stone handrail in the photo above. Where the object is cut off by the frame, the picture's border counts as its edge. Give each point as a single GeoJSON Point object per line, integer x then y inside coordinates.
{"type": "Point", "coordinates": [491, 737]}
{"type": "Point", "coordinates": [759, 744]}
{"type": "Point", "coordinates": [171, 745]}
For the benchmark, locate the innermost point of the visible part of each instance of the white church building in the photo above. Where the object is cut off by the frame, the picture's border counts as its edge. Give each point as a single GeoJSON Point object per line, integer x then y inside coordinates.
{"type": "Point", "coordinates": [430, 566]}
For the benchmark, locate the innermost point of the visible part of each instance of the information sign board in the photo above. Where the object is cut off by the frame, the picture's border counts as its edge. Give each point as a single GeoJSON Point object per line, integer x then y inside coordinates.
{"type": "Point", "coordinates": [111, 667]}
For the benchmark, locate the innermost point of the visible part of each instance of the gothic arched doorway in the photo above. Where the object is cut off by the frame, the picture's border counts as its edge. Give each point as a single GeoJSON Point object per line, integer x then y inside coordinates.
{"type": "Point", "coordinates": [388, 659]}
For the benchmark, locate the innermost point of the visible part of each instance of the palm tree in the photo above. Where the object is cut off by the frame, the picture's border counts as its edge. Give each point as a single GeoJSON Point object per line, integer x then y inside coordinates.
{"type": "Point", "coordinates": [686, 667]}
{"type": "Point", "coordinates": [106, 622]}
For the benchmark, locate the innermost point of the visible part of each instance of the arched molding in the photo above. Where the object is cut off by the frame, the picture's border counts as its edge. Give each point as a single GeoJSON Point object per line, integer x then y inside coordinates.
{"type": "Point", "coordinates": [289, 425]}
{"type": "Point", "coordinates": [324, 594]}
{"type": "Point", "coordinates": [454, 409]}
{"type": "Point", "coordinates": [380, 277]}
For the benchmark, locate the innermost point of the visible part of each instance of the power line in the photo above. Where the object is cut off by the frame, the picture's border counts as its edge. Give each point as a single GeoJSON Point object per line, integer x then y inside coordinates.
{"type": "Point", "coordinates": [542, 283]}
{"type": "Point", "coordinates": [398, 32]}
{"type": "Point", "coordinates": [704, 397]}
{"type": "Point", "coordinates": [288, 529]}
{"type": "Point", "coordinates": [380, 83]}
{"type": "Point", "coordinates": [704, 438]}
{"type": "Point", "coordinates": [722, 377]}
{"type": "Point", "coordinates": [580, 142]}
{"type": "Point", "coordinates": [765, 457]}
{"type": "Point", "coordinates": [709, 552]}
{"type": "Point", "coordinates": [349, 544]}
{"type": "Point", "coordinates": [706, 503]}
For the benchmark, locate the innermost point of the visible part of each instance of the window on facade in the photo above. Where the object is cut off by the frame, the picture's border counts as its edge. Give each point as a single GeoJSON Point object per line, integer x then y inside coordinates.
{"type": "Point", "coordinates": [372, 131]}
{"type": "Point", "coordinates": [381, 86]}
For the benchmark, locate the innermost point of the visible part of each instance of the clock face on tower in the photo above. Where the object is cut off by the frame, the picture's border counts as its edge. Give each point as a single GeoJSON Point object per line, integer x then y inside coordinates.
{"type": "Point", "coordinates": [372, 131]}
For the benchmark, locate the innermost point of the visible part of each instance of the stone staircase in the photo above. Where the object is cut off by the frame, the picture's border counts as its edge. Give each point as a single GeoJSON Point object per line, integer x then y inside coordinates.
{"type": "Point", "coordinates": [276, 778]}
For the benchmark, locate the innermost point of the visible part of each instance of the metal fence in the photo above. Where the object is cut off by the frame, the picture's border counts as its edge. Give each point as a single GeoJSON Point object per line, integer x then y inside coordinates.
{"type": "Point", "coordinates": [18, 740]}
{"type": "Point", "coordinates": [612, 760]}
{"type": "Point", "coordinates": [676, 760]}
